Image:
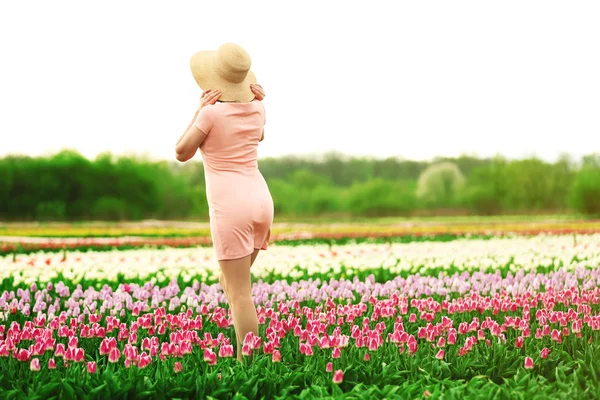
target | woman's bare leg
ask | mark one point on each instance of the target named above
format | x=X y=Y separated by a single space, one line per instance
x=238 y=289
x=222 y=279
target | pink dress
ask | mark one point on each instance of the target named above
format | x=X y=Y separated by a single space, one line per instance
x=239 y=201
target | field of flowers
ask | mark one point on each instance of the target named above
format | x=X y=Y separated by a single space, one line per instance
x=459 y=317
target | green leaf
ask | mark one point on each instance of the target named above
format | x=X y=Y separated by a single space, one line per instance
x=46 y=390
x=68 y=391
x=97 y=389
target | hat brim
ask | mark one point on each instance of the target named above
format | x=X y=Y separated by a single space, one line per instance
x=202 y=66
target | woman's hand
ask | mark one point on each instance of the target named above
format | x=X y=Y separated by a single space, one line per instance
x=258 y=91
x=209 y=96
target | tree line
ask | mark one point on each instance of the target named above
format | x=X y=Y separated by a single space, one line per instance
x=68 y=186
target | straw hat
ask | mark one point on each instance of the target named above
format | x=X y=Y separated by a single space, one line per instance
x=226 y=69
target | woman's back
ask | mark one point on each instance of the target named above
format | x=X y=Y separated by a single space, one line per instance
x=240 y=204
x=233 y=132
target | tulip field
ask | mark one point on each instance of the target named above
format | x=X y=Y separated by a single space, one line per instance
x=482 y=316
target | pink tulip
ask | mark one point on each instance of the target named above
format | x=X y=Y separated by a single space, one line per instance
x=336 y=353
x=440 y=354
x=145 y=360
x=246 y=350
x=329 y=367
x=338 y=376
x=91 y=367
x=556 y=336
x=452 y=338
x=78 y=355
x=544 y=352
x=23 y=355
x=73 y=341
x=276 y=356
x=519 y=342
x=51 y=364
x=528 y=363
x=367 y=357
x=210 y=356
x=480 y=334
x=114 y=355
x=35 y=364
x=226 y=350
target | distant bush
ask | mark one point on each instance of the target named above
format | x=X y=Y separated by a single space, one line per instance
x=585 y=194
x=110 y=208
x=51 y=211
x=378 y=198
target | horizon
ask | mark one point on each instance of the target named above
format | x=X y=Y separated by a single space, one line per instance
x=316 y=157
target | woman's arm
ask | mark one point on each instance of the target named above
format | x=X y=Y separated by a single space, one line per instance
x=188 y=127
x=259 y=92
x=192 y=137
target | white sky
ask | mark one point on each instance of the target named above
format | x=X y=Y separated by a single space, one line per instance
x=411 y=79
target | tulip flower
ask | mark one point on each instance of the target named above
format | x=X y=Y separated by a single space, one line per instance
x=114 y=355
x=329 y=367
x=35 y=364
x=336 y=353
x=440 y=354
x=544 y=352
x=338 y=376
x=177 y=367
x=276 y=356
x=91 y=367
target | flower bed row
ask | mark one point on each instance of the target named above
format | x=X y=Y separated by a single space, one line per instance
x=166 y=229
x=534 y=331
x=386 y=261
x=27 y=240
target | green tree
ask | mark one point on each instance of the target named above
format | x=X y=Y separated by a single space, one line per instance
x=440 y=184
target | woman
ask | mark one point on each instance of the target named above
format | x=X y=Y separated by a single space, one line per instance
x=227 y=128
